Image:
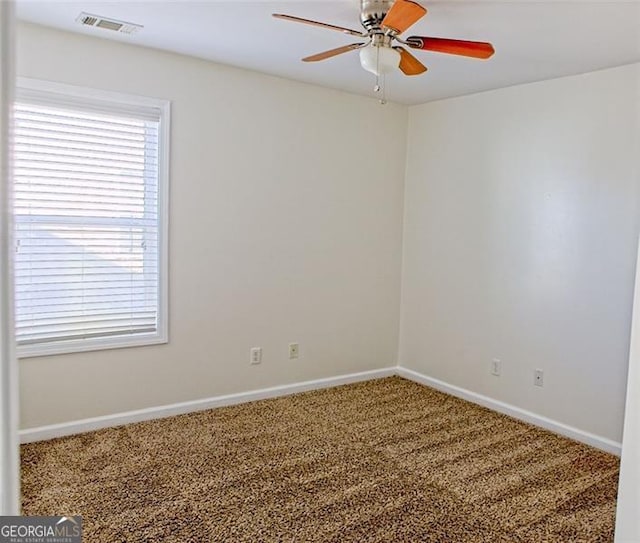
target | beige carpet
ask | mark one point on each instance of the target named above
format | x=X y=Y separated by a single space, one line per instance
x=383 y=461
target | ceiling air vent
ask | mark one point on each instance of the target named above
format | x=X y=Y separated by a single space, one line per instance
x=87 y=19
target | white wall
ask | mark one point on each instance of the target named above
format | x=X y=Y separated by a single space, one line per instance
x=627 y=521
x=9 y=450
x=283 y=228
x=521 y=225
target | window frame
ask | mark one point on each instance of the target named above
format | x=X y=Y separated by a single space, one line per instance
x=74 y=95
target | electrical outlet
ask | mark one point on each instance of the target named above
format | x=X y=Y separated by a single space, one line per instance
x=294 y=350
x=256 y=355
x=496 y=367
x=538 y=378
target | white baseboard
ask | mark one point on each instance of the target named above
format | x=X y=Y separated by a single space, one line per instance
x=43 y=433
x=517 y=413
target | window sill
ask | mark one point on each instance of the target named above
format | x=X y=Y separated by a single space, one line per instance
x=87 y=345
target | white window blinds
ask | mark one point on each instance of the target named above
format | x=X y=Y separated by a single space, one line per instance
x=86 y=208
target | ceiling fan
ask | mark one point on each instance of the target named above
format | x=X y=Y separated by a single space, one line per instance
x=383 y=22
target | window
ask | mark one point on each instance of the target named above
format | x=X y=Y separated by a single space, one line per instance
x=90 y=215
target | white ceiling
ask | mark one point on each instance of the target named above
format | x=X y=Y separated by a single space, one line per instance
x=533 y=40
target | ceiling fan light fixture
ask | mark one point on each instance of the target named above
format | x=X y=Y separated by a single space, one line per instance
x=379 y=59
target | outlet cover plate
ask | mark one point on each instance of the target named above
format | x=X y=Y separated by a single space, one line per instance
x=294 y=350
x=256 y=356
x=538 y=378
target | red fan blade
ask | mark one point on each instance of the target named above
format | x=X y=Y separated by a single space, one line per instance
x=475 y=49
x=333 y=52
x=409 y=64
x=316 y=23
x=402 y=15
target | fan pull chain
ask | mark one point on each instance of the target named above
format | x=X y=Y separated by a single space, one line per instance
x=381 y=87
x=383 y=101
x=378 y=87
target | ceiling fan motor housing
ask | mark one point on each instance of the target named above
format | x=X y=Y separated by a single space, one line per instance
x=372 y=12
